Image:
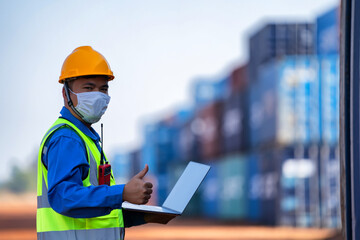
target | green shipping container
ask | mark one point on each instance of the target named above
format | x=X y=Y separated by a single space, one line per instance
x=233 y=184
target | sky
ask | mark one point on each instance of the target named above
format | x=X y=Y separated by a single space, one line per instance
x=156 y=50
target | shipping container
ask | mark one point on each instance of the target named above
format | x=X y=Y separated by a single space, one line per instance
x=254 y=189
x=149 y=148
x=121 y=167
x=277 y=40
x=206 y=91
x=330 y=186
x=135 y=162
x=180 y=118
x=165 y=148
x=158 y=147
x=329 y=80
x=283 y=103
x=269 y=166
x=307 y=105
x=300 y=203
x=235 y=132
x=327 y=33
x=239 y=79
x=210 y=192
x=210 y=120
x=264 y=188
x=288 y=186
x=234 y=186
x=163 y=187
x=188 y=143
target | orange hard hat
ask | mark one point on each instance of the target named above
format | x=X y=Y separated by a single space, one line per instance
x=84 y=61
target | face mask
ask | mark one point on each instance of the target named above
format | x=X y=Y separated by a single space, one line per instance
x=91 y=105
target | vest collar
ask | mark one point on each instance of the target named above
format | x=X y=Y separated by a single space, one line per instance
x=90 y=132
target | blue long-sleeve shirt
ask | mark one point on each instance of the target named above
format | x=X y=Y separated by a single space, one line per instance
x=67 y=163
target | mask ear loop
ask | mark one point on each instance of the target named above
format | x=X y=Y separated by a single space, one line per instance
x=69 y=101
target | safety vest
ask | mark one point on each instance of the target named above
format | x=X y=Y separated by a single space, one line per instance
x=54 y=226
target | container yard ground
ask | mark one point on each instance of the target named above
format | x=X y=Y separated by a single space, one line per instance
x=17 y=222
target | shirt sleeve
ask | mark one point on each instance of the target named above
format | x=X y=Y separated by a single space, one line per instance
x=67 y=164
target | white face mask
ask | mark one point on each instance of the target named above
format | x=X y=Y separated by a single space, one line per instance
x=92 y=105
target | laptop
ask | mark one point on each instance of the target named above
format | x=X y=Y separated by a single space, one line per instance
x=181 y=193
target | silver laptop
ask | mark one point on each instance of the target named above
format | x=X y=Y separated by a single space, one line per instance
x=181 y=193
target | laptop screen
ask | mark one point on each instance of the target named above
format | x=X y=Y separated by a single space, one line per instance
x=186 y=186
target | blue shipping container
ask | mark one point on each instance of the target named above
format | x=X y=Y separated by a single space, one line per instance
x=300 y=186
x=210 y=190
x=206 y=91
x=235 y=121
x=264 y=185
x=120 y=165
x=176 y=123
x=330 y=186
x=283 y=103
x=254 y=189
x=330 y=80
x=188 y=143
x=277 y=40
x=149 y=151
x=307 y=91
x=327 y=33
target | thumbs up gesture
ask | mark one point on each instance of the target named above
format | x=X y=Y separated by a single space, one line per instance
x=138 y=191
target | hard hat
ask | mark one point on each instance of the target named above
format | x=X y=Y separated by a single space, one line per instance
x=85 y=61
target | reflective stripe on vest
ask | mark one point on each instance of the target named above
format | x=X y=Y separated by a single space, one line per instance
x=52 y=225
x=83 y=234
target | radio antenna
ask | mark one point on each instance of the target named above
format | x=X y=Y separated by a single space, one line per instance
x=102 y=146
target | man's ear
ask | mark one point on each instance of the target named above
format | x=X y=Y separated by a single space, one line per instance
x=64 y=96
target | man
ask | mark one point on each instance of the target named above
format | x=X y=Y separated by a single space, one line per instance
x=71 y=203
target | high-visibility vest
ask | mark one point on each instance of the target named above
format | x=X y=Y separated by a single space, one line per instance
x=52 y=225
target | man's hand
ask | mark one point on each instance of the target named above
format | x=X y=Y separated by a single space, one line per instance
x=138 y=191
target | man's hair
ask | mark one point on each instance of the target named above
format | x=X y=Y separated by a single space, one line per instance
x=70 y=81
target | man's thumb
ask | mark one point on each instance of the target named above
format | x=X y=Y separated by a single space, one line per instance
x=143 y=172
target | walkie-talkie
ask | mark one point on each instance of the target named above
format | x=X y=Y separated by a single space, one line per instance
x=104 y=167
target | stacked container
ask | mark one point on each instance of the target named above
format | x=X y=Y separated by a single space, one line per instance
x=188 y=140
x=255 y=189
x=327 y=47
x=210 y=121
x=264 y=187
x=207 y=91
x=234 y=187
x=120 y=167
x=299 y=186
x=283 y=103
x=149 y=148
x=269 y=130
x=235 y=121
x=330 y=186
x=276 y=40
x=210 y=192
x=327 y=33
x=239 y=79
x=329 y=76
x=235 y=114
x=135 y=162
